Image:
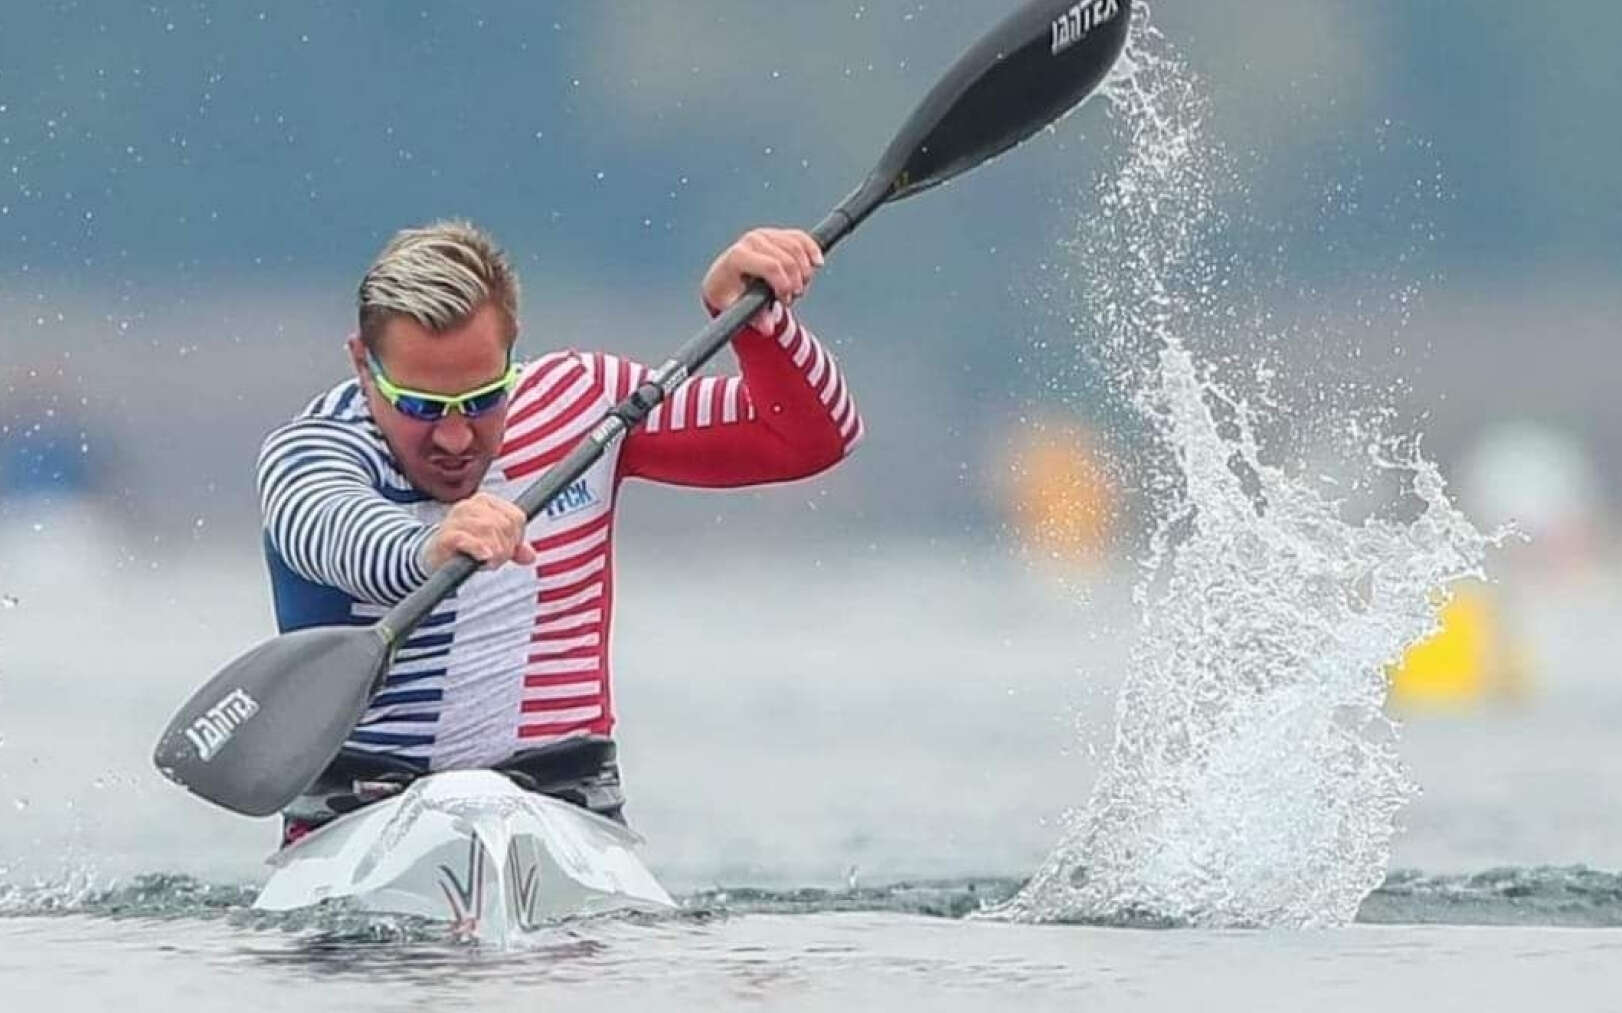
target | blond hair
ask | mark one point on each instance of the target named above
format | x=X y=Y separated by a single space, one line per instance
x=439 y=275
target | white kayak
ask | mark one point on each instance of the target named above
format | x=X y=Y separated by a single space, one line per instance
x=471 y=848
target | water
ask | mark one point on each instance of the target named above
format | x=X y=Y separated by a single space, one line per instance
x=909 y=711
x=819 y=962
x=972 y=784
x=753 y=954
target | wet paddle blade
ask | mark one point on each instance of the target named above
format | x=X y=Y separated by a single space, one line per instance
x=261 y=730
x=1035 y=66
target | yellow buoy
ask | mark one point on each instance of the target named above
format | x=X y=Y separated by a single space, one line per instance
x=1468 y=660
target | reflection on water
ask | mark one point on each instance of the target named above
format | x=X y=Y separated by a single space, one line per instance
x=815 y=962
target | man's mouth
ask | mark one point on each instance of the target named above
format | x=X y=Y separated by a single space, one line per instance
x=452 y=467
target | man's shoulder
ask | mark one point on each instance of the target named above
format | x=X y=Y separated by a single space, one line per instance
x=342 y=409
x=542 y=378
x=531 y=370
x=339 y=419
x=343 y=403
x=576 y=374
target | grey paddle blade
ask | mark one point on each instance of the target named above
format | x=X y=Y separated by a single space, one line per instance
x=261 y=730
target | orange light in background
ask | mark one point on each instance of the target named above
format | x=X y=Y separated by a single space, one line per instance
x=1060 y=499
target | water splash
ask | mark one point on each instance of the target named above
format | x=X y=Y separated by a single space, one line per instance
x=1253 y=778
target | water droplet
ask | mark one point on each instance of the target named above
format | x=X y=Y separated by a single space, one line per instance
x=9 y=601
x=19 y=804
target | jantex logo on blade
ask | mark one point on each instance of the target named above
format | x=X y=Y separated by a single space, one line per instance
x=1073 y=25
x=215 y=728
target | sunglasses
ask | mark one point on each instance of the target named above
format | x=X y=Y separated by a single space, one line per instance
x=425 y=407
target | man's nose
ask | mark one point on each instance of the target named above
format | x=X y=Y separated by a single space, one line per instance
x=453 y=434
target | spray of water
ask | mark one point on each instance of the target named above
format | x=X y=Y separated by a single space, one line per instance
x=1253 y=778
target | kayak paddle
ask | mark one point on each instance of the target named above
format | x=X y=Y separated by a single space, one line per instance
x=262 y=729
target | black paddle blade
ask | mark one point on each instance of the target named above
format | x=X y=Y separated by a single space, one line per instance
x=261 y=730
x=1027 y=72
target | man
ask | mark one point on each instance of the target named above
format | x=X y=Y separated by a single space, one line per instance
x=418 y=457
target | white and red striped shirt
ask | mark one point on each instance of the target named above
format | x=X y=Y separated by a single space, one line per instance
x=520 y=655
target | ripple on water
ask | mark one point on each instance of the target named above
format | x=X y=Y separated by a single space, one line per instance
x=1536 y=895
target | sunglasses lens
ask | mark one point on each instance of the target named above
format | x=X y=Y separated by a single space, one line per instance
x=419 y=408
x=473 y=407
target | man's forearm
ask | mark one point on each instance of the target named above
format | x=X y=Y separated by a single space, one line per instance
x=327 y=522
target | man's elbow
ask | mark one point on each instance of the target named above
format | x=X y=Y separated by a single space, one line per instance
x=830 y=445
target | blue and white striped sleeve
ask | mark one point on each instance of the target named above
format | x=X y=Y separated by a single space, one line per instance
x=326 y=518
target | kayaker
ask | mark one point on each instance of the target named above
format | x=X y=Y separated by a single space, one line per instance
x=419 y=455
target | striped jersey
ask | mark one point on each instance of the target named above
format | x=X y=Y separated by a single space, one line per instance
x=519 y=656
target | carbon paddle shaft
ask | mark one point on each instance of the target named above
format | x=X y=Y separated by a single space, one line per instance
x=400 y=620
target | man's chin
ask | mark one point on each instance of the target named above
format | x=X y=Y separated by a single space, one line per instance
x=449 y=488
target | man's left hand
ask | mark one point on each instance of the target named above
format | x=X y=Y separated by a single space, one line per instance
x=785 y=259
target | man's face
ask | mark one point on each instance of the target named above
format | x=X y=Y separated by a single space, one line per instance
x=446 y=459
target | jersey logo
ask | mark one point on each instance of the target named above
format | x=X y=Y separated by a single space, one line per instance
x=571 y=499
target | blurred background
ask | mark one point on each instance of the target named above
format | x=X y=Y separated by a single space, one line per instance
x=917 y=652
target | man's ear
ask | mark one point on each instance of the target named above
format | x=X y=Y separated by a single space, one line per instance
x=357 y=359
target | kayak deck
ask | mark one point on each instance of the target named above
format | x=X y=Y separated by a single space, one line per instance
x=471 y=848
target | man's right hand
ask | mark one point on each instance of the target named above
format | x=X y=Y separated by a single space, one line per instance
x=486 y=527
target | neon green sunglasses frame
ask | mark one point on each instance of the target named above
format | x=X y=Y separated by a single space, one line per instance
x=426 y=407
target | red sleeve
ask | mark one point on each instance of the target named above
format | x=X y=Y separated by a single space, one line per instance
x=786 y=416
